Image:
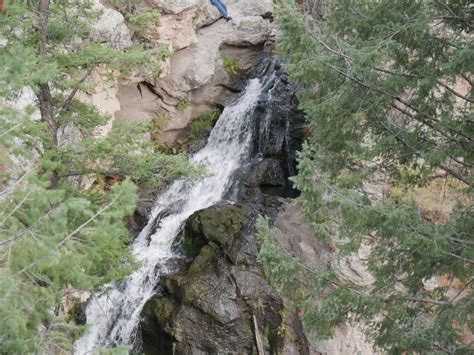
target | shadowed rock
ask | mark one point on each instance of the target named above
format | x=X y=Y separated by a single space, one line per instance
x=210 y=308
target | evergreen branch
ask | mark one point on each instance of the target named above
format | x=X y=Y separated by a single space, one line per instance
x=469 y=261
x=457 y=18
x=454 y=16
x=466 y=78
x=418 y=118
x=30 y=228
x=92 y=171
x=465 y=242
x=443 y=4
x=406 y=75
x=419 y=77
x=422 y=300
x=18 y=181
x=317 y=273
x=399 y=109
x=450 y=171
x=454 y=92
x=98 y=303
x=462 y=290
x=349 y=62
x=91 y=219
x=384 y=49
x=359 y=205
x=461 y=74
x=77 y=230
x=11 y=129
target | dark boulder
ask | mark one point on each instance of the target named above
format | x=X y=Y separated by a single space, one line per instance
x=209 y=309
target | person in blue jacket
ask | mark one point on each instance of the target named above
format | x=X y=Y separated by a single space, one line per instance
x=222 y=8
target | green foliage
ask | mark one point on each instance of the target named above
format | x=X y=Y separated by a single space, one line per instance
x=294 y=279
x=182 y=104
x=377 y=82
x=145 y=18
x=124 y=6
x=50 y=239
x=140 y=19
x=124 y=152
x=158 y=125
x=198 y=127
x=231 y=65
x=142 y=22
x=54 y=234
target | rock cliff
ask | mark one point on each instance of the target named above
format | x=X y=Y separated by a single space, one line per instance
x=194 y=78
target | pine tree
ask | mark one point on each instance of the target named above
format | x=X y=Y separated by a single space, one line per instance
x=387 y=89
x=54 y=234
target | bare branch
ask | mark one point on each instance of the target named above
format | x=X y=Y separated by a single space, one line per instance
x=17 y=207
x=18 y=181
x=67 y=103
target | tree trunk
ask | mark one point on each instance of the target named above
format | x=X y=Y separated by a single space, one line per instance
x=45 y=98
x=44 y=94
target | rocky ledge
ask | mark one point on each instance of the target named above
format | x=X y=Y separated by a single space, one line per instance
x=195 y=77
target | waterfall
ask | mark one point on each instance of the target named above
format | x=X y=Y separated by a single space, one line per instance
x=113 y=316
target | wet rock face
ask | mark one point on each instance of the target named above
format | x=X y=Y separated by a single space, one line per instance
x=209 y=309
x=268 y=174
x=276 y=139
x=277 y=125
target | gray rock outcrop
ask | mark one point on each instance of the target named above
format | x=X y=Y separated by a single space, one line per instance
x=176 y=6
x=194 y=78
x=296 y=237
x=110 y=28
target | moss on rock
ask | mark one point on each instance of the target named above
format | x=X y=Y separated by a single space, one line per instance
x=220 y=224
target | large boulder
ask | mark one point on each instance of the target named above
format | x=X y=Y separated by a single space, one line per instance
x=254 y=8
x=176 y=30
x=110 y=28
x=212 y=307
x=249 y=31
x=230 y=227
x=176 y=6
x=264 y=173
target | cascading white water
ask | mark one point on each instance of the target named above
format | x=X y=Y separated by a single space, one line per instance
x=113 y=317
